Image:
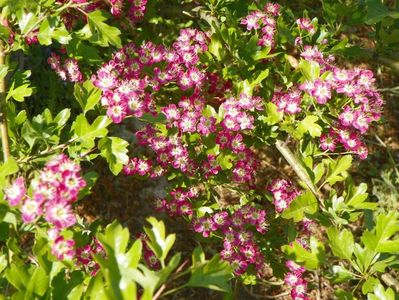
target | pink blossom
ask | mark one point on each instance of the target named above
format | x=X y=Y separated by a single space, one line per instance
x=63 y=249
x=16 y=192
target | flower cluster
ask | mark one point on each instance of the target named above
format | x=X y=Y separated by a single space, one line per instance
x=294 y=279
x=84 y=257
x=63 y=249
x=179 y=202
x=134 y=10
x=284 y=192
x=239 y=247
x=69 y=70
x=192 y=115
x=265 y=21
x=54 y=191
x=355 y=88
x=306 y=25
x=128 y=85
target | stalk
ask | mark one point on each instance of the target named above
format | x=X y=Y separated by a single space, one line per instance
x=298 y=168
x=3 y=116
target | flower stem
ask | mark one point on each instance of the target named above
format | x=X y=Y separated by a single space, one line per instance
x=3 y=116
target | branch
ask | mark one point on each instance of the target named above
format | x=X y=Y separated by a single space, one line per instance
x=298 y=168
x=3 y=116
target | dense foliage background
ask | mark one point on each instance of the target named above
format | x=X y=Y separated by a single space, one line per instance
x=183 y=149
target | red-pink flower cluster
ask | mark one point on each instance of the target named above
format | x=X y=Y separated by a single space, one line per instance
x=84 y=257
x=239 y=246
x=134 y=10
x=306 y=24
x=129 y=80
x=63 y=249
x=69 y=70
x=355 y=87
x=179 y=203
x=189 y=117
x=294 y=279
x=284 y=192
x=265 y=21
x=54 y=191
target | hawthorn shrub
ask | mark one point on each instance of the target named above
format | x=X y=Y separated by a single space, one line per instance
x=210 y=89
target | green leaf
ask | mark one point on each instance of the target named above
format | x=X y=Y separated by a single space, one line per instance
x=20 y=92
x=83 y=51
x=225 y=161
x=262 y=76
x=38 y=284
x=341 y=274
x=364 y=257
x=3 y=71
x=95 y=289
x=48 y=31
x=381 y=294
x=216 y=48
x=62 y=117
x=311 y=259
x=115 y=238
x=318 y=172
x=8 y=168
x=87 y=95
x=86 y=133
x=18 y=276
x=344 y=295
x=341 y=243
x=3 y=263
x=114 y=150
x=358 y=196
x=379 y=239
x=376 y=12
x=337 y=169
x=309 y=69
x=306 y=203
x=214 y=275
x=26 y=21
x=369 y=285
x=99 y=32
x=273 y=116
x=261 y=54
x=159 y=242
x=309 y=125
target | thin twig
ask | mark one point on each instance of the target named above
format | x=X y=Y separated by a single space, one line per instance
x=159 y=292
x=3 y=116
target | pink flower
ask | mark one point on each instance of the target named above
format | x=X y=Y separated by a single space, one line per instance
x=206 y=125
x=230 y=123
x=321 y=91
x=205 y=226
x=251 y=21
x=306 y=24
x=328 y=142
x=16 y=192
x=30 y=210
x=347 y=116
x=272 y=8
x=63 y=249
x=60 y=214
x=116 y=113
